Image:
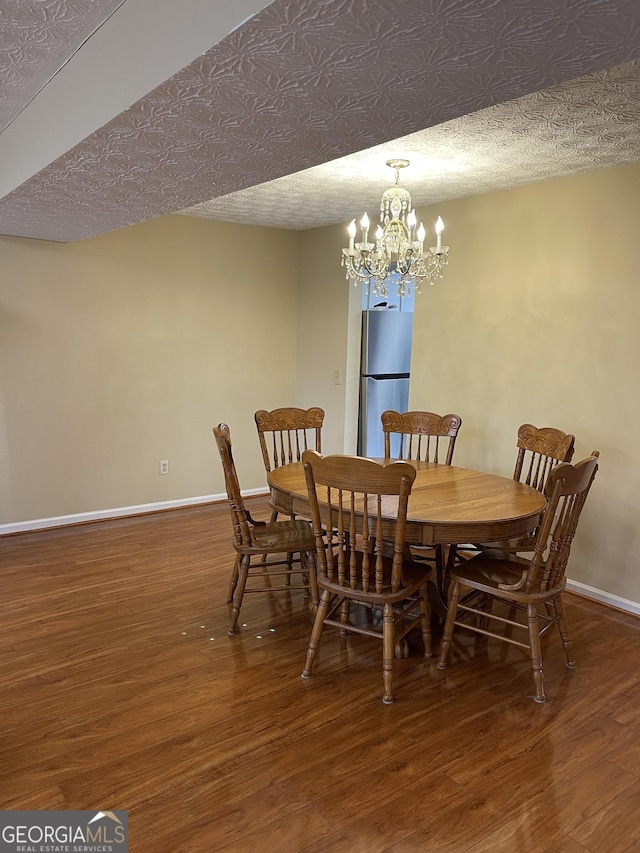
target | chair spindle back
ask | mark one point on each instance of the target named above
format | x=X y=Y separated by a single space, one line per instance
x=539 y=451
x=286 y=433
x=421 y=434
x=351 y=496
x=567 y=488
x=239 y=516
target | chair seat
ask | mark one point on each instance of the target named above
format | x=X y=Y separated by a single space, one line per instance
x=487 y=572
x=297 y=532
x=489 y=569
x=414 y=576
x=523 y=545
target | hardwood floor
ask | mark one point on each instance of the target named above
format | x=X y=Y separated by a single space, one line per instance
x=122 y=690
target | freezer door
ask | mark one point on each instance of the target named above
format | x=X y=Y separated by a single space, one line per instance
x=378 y=395
x=386 y=342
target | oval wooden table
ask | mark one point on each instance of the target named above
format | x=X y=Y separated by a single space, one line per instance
x=447 y=505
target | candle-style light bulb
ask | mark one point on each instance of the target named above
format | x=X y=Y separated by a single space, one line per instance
x=421 y=235
x=379 y=233
x=351 y=230
x=411 y=223
x=439 y=230
x=364 y=224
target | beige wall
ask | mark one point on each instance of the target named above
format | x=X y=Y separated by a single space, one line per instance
x=328 y=319
x=536 y=320
x=122 y=350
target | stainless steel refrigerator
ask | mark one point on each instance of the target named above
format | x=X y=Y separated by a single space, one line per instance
x=385 y=372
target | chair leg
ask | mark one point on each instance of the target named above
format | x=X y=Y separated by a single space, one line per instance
x=536 y=652
x=316 y=633
x=234 y=579
x=344 y=616
x=304 y=572
x=452 y=558
x=388 y=646
x=563 y=628
x=287 y=578
x=426 y=621
x=243 y=573
x=309 y=576
x=310 y=561
x=440 y=568
x=511 y=616
x=447 y=636
x=486 y=605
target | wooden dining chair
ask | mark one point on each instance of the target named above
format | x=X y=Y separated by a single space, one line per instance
x=531 y=588
x=428 y=437
x=366 y=562
x=285 y=434
x=540 y=449
x=253 y=539
x=421 y=435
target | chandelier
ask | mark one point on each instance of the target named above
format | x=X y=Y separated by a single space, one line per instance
x=398 y=252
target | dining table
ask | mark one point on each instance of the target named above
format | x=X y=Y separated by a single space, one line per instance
x=448 y=506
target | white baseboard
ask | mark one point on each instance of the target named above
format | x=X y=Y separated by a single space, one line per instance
x=604 y=597
x=118 y=512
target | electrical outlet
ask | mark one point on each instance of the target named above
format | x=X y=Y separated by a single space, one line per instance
x=164 y=466
x=337 y=376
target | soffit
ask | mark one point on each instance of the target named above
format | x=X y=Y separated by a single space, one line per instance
x=475 y=87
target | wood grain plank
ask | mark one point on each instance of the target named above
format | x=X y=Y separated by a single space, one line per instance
x=614 y=827
x=123 y=690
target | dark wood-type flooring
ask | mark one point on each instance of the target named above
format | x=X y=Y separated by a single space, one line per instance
x=122 y=690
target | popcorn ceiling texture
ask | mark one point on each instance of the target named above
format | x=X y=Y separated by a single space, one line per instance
x=479 y=88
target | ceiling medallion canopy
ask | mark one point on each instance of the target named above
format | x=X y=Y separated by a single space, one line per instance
x=398 y=254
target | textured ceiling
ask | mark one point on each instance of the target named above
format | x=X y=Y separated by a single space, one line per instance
x=37 y=37
x=589 y=123
x=485 y=94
